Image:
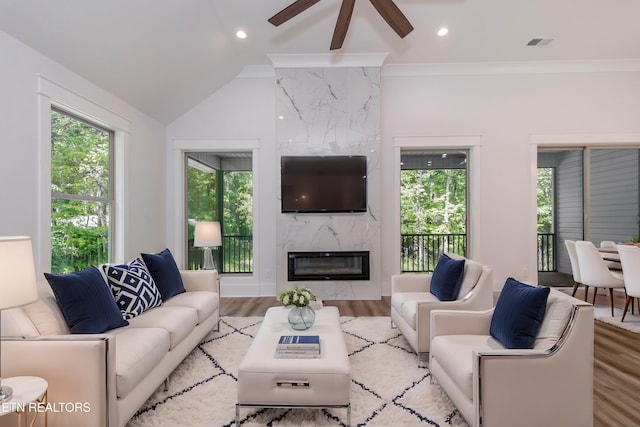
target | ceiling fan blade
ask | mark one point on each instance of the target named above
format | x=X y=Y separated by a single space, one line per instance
x=342 y=24
x=290 y=11
x=394 y=17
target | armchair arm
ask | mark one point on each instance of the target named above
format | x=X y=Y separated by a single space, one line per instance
x=460 y=322
x=560 y=380
x=200 y=280
x=79 y=369
x=410 y=282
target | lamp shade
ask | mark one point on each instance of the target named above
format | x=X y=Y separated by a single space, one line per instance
x=207 y=235
x=17 y=272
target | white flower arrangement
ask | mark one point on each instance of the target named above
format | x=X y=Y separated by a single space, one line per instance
x=300 y=297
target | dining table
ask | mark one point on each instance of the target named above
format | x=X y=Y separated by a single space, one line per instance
x=609 y=254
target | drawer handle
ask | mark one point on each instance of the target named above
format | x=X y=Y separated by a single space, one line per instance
x=292 y=384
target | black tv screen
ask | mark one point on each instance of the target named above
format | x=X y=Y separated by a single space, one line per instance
x=323 y=184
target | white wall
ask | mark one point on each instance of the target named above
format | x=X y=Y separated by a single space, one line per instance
x=24 y=200
x=507 y=110
x=236 y=116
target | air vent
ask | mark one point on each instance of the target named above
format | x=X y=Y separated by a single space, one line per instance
x=539 y=42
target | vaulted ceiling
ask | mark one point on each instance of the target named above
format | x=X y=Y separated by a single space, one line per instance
x=165 y=56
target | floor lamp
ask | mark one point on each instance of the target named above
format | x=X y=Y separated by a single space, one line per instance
x=17 y=284
x=207 y=236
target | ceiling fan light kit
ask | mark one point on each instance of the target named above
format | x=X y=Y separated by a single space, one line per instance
x=386 y=8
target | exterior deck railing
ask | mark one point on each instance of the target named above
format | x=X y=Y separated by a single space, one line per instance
x=420 y=252
x=237 y=253
x=547 y=257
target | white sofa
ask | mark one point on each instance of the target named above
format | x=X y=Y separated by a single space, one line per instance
x=412 y=301
x=114 y=372
x=549 y=385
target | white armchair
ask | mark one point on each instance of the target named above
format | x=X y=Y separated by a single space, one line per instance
x=549 y=385
x=412 y=301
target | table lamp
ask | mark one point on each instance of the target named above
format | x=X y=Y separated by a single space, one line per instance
x=17 y=283
x=207 y=236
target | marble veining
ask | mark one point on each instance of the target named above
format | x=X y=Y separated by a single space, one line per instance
x=331 y=111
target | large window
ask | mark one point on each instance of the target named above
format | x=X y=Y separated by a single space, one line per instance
x=81 y=193
x=219 y=188
x=433 y=207
x=589 y=193
x=546 y=219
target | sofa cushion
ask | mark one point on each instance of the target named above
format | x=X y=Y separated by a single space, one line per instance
x=406 y=304
x=472 y=272
x=447 y=278
x=133 y=287
x=205 y=303
x=555 y=321
x=165 y=273
x=138 y=351
x=518 y=314
x=16 y=323
x=86 y=302
x=177 y=321
x=455 y=355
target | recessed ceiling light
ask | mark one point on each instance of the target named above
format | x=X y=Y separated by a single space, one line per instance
x=443 y=31
x=241 y=34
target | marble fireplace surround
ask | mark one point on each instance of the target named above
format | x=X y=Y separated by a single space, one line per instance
x=328 y=110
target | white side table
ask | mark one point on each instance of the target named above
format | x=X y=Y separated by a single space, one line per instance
x=29 y=394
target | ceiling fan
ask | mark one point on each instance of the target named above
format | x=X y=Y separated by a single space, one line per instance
x=386 y=8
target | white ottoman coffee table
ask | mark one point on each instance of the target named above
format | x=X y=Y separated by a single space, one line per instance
x=324 y=382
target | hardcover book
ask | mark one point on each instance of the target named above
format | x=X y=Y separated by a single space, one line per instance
x=299 y=342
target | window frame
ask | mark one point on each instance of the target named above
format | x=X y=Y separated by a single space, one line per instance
x=420 y=164
x=470 y=143
x=51 y=94
x=109 y=201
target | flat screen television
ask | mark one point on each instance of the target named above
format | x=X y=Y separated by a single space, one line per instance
x=311 y=184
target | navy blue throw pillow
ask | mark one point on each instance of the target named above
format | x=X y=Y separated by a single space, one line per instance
x=165 y=273
x=86 y=301
x=518 y=314
x=446 y=279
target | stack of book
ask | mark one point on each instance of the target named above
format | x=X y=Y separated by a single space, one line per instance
x=298 y=347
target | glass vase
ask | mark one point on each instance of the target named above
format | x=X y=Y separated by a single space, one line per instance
x=301 y=318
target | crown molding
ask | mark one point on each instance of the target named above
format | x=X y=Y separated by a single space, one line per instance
x=436 y=69
x=327 y=60
x=524 y=67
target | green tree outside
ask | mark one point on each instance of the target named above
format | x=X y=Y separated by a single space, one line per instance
x=433 y=201
x=80 y=190
x=433 y=206
x=236 y=217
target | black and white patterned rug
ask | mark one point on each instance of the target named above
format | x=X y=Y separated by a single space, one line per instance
x=388 y=388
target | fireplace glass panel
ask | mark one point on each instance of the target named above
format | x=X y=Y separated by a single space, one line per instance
x=328 y=266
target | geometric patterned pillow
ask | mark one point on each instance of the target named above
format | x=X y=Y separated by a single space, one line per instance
x=132 y=287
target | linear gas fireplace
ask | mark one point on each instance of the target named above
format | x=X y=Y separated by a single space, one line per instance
x=328 y=265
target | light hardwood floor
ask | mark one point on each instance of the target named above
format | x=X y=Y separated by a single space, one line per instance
x=616 y=355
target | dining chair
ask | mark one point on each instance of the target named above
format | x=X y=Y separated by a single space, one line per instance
x=630 y=260
x=595 y=273
x=575 y=268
